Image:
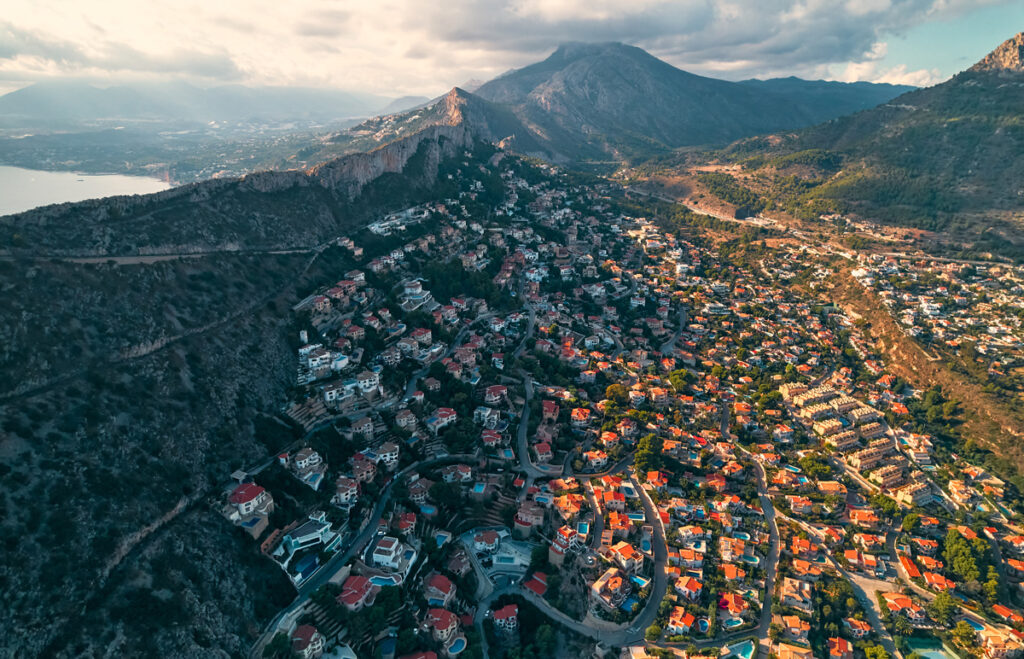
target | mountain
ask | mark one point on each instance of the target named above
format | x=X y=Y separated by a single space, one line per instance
x=947 y=158
x=487 y=121
x=47 y=106
x=127 y=402
x=1009 y=56
x=827 y=99
x=592 y=101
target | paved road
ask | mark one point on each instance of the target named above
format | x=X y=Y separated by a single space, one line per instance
x=336 y=562
x=646 y=617
x=414 y=379
x=668 y=346
x=624 y=634
x=531 y=322
x=772 y=560
x=522 y=444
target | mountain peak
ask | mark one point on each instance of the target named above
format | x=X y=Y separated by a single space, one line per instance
x=573 y=50
x=452 y=105
x=1009 y=56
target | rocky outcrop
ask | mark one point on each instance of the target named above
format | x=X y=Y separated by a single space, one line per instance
x=347 y=175
x=1009 y=56
x=241 y=214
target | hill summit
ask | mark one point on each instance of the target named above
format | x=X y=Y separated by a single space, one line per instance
x=1008 y=56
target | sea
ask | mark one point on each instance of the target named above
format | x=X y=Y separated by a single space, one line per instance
x=24 y=189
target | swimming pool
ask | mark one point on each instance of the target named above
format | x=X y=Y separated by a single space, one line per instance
x=645 y=546
x=792 y=468
x=741 y=535
x=504 y=559
x=457 y=646
x=974 y=623
x=479 y=488
x=640 y=581
x=636 y=517
x=928 y=649
x=732 y=623
x=428 y=509
x=386 y=580
x=751 y=560
x=630 y=602
x=744 y=650
x=703 y=625
x=583 y=528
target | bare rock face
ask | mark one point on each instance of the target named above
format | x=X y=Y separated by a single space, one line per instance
x=349 y=174
x=1009 y=56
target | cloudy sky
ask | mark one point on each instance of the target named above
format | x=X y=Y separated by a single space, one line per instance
x=396 y=47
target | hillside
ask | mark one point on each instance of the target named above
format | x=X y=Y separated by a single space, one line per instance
x=255 y=212
x=134 y=386
x=947 y=159
x=594 y=101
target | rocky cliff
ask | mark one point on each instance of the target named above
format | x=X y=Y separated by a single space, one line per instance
x=261 y=211
x=1009 y=56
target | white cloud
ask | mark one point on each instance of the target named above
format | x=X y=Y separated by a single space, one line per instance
x=397 y=47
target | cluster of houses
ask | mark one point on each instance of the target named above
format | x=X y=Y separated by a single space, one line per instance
x=952 y=304
x=712 y=373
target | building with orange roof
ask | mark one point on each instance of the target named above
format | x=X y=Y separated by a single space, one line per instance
x=839 y=648
x=680 y=621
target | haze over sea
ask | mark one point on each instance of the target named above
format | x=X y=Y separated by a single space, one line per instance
x=23 y=189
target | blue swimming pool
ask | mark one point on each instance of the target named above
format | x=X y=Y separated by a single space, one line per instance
x=630 y=602
x=636 y=517
x=428 y=509
x=479 y=488
x=927 y=649
x=386 y=580
x=732 y=623
x=974 y=623
x=792 y=468
x=744 y=650
x=703 y=625
x=741 y=535
x=645 y=546
x=640 y=581
x=457 y=646
x=583 y=528
x=504 y=559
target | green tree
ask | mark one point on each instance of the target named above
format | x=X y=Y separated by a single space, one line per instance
x=875 y=652
x=648 y=454
x=941 y=608
x=964 y=634
x=617 y=393
x=992 y=585
x=278 y=648
x=653 y=633
x=545 y=639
